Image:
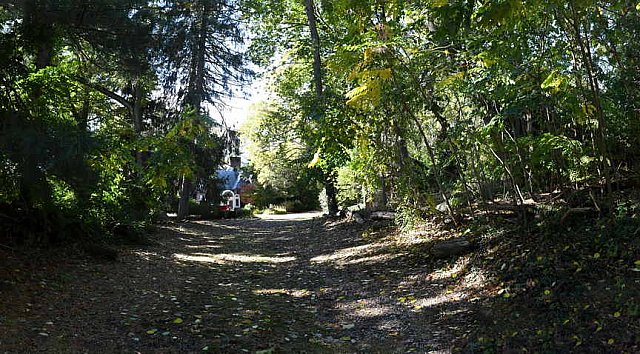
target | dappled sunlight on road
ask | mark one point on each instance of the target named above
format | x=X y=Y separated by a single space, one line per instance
x=185 y=230
x=369 y=308
x=291 y=216
x=203 y=247
x=354 y=255
x=376 y=289
x=226 y=258
x=425 y=302
x=378 y=258
x=288 y=282
x=450 y=272
x=296 y=293
x=145 y=255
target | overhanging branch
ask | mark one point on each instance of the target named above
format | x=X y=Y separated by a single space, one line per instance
x=105 y=91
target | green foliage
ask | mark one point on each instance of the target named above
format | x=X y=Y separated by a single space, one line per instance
x=455 y=101
x=84 y=136
x=280 y=158
x=204 y=210
x=188 y=149
x=349 y=190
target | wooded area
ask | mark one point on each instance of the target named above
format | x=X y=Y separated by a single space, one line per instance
x=486 y=118
x=107 y=107
x=107 y=110
x=456 y=103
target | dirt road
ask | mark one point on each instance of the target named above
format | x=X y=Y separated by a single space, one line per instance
x=279 y=284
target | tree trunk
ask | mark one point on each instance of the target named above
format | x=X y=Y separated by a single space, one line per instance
x=315 y=38
x=195 y=95
x=584 y=52
x=330 y=187
x=183 y=203
x=332 y=194
x=432 y=158
x=138 y=96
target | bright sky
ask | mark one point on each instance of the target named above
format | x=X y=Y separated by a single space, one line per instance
x=238 y=107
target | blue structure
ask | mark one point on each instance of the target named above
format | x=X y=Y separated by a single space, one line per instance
x=230 y=179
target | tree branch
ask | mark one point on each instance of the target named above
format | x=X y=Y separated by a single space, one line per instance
x=105 y=91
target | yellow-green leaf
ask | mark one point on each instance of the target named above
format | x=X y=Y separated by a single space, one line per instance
x=589 y=109
x=553 y=81
x=486 y=59
x=356 y=94
x=178 y=320
x=316 y=159
x=152 y=331
x=439 y=3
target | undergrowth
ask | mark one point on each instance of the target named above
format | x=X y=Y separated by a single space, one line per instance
x=561 y=285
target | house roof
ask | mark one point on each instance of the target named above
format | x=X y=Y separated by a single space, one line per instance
x=230 y=178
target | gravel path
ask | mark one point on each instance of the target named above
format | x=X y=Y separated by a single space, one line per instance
x=281 y=284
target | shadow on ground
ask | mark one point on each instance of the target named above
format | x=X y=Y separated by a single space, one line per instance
x=280 y=284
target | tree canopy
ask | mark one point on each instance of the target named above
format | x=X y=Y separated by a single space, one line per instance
x=456 y=102
x=108 y=108
x=501 y=136
x=419 y=106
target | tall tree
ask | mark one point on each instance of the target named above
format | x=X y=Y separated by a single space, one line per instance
x=330 y=177
x=202 y=45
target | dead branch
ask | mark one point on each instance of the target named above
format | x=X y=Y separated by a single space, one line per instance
x=575 y=211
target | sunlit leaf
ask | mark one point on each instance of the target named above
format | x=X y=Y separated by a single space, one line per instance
x=266 y=351
x=439 y=3
x=316 y=159
x=554 y=81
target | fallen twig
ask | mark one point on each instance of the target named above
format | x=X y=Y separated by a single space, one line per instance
x=8 y=247
x=2 y=215
x=574 y=211
x=383 y=215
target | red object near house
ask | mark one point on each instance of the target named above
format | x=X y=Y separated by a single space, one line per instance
x=246 y=193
